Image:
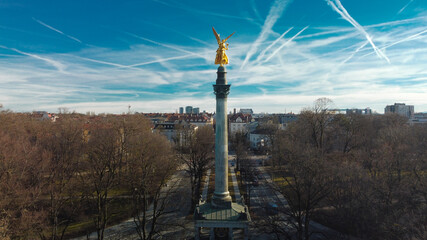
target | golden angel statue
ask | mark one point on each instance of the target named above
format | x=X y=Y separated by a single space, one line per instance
x=221 y=58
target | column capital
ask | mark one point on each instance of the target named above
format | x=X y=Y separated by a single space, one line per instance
x=221 y=91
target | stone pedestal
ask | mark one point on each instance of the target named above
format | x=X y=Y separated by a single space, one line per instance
x=211 y=217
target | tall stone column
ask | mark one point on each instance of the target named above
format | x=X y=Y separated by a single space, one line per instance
x=221 y=196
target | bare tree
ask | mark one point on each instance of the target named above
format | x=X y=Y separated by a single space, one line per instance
x=150 y=163
x=197 y=155
x=100 y=170
x=240 y=145
x=343 y=133
x=367 y=170
x=248 y=177
x=306 y=184
x=21 y=177
x=316 y=120
x=63 y=142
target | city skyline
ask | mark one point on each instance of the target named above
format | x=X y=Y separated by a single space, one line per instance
x=159 y=55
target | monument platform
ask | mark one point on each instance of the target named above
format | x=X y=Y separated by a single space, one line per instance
x=221 y=220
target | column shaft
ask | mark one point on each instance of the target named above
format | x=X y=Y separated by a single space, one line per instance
x=221 y=196
x=221 y=148
x=212 y=234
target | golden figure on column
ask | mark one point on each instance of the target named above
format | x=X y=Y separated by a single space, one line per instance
x=221 y=58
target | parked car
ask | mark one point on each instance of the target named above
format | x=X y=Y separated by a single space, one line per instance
x=272 y=208
x=255 y=182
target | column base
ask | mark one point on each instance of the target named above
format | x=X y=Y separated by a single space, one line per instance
x=222 y=200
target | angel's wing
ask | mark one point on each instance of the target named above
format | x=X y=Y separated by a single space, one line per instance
x=216 y=35
x=229 y=37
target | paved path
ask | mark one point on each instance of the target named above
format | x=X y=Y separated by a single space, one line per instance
x=205 y=186
x=279 y=195
x=235 y=184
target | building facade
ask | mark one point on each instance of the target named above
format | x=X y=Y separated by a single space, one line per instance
x=418 y=118
x=401 y=109
x=239 y=122
x=366 y=111
x=189 y=109
x=246 y=111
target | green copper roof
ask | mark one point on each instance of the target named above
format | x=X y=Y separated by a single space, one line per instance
x=234 y=213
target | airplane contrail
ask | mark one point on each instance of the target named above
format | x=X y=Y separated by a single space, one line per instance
x=400 y=41
x=252 y=2
x=56 y=30
x=275 y=13
x=188 y=8
x=404 y=7
x=165 y=45
x=284 y=44
x=339 y=8
x=160 y=60
x=103 y=62
x=54 y=63
x=354 y=53
x=261 y=55
x=178 y=32
x=133 y=65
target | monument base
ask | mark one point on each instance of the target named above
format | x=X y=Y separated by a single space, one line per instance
x=221 y=219
x=221 y=200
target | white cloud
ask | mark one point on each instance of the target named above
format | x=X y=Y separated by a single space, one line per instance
x=155 y=76
x=275 y=13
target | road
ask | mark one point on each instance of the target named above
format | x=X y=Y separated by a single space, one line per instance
x=266 y=202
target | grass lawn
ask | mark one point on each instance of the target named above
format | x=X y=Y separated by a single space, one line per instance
x=231 y=187
x=241 y=188
x=120 y=209
x=211 y=186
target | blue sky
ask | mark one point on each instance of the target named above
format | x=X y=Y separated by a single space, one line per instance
x=158 y=55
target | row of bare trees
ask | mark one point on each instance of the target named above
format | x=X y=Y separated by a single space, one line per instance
x=195 y=148
x=80 y=169
x=365 y=176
